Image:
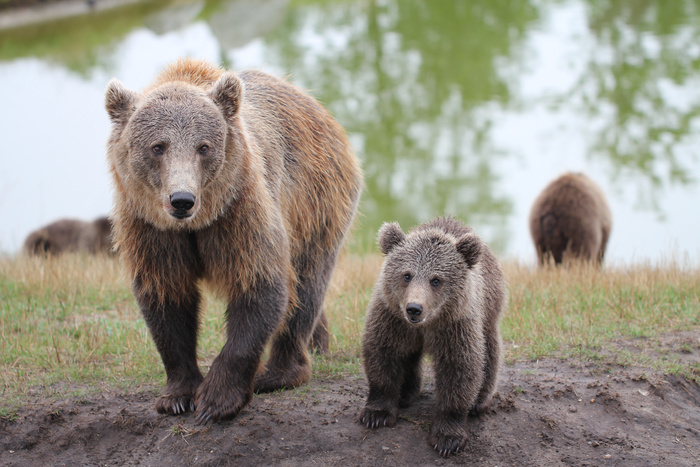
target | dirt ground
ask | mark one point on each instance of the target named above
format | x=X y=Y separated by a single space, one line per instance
x=549 y=412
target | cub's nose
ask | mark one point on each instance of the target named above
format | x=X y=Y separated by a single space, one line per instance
x=414 y=310
x=182 y=201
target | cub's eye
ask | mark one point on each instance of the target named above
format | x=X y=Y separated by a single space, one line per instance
x=407 y=277
x=158 y=149
x=203 y=149
x=435 y=282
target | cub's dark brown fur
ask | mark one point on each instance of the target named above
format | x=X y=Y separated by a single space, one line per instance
x=570 y=219
x=70 y=235
x=243 y=182
x=440 y=291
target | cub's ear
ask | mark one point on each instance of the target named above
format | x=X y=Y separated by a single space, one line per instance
x=228 y=94
x=390 y=235
x=119 y=102
x=469 y=246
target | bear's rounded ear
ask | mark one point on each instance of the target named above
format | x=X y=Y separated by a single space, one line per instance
x=228 y=94
x=390 y=235
x=119 y=102
x=469 y=246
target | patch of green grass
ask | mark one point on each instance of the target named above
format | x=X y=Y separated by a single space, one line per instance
x=336 y=365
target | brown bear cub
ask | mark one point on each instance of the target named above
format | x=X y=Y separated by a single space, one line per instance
x=71 y=235
x=442 y=291
x=570 y=220
x=243 y=182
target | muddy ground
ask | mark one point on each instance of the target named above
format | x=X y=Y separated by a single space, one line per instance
x=549 y=412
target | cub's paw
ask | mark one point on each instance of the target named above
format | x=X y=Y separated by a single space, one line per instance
x=372 y=418
x=175 y=404
x=219 y=399
x=276 y=377
x=482 y=408
x=446 y=443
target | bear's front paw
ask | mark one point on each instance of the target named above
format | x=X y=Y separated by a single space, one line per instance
x=219 y=399
x=447 y=442
x=175 y=404
x=373 y=418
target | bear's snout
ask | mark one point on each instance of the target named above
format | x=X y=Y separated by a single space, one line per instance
x=414 y=311
x=182 y=202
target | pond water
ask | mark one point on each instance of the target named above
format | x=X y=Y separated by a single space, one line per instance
x=462 y=108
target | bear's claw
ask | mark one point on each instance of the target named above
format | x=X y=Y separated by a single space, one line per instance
x=448 y=444
x=175 y=404
x=217 y=399
x=371 y=418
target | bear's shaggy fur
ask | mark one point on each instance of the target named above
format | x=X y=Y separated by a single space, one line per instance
x=570 y=220
x=241 y=181
x=71 y=235
x=441 y=291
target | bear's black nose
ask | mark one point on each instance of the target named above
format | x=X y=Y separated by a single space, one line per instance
x=414 y=310
x=182 y=201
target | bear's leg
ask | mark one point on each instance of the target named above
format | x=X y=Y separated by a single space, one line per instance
x=391 y=355
x=289 y=365
x=491 y=369
x=385 y=376
x=320 y=340
x=251 y=319
x=412 y=377
x=459 y=375
x=173 y=324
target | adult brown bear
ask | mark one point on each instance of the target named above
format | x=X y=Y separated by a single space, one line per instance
x=570 y=220
x=241 y=181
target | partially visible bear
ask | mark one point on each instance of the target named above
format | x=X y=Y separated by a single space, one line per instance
x=71 y=235
x=440 y=291
x=243 y=182
x=569 y=220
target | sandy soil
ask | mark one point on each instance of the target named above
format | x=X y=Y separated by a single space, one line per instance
x=550 y=412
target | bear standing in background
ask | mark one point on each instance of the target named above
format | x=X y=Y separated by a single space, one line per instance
x=243 y=182
x=71 y=235
x=570 y=219
x=442 y=291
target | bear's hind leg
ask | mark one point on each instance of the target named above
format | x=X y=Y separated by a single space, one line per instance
x=173 y=324
x=412 y=377
x=320 y=340
x=289 y=365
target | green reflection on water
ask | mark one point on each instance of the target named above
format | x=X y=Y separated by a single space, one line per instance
x=417 y=84
x=650 y=46
x=408 y=81
x=79 y=43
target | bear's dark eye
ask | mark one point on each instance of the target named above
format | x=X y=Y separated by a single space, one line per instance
x=435 y=282
x=203 y=149
x=158 y=149
x=407 y=277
